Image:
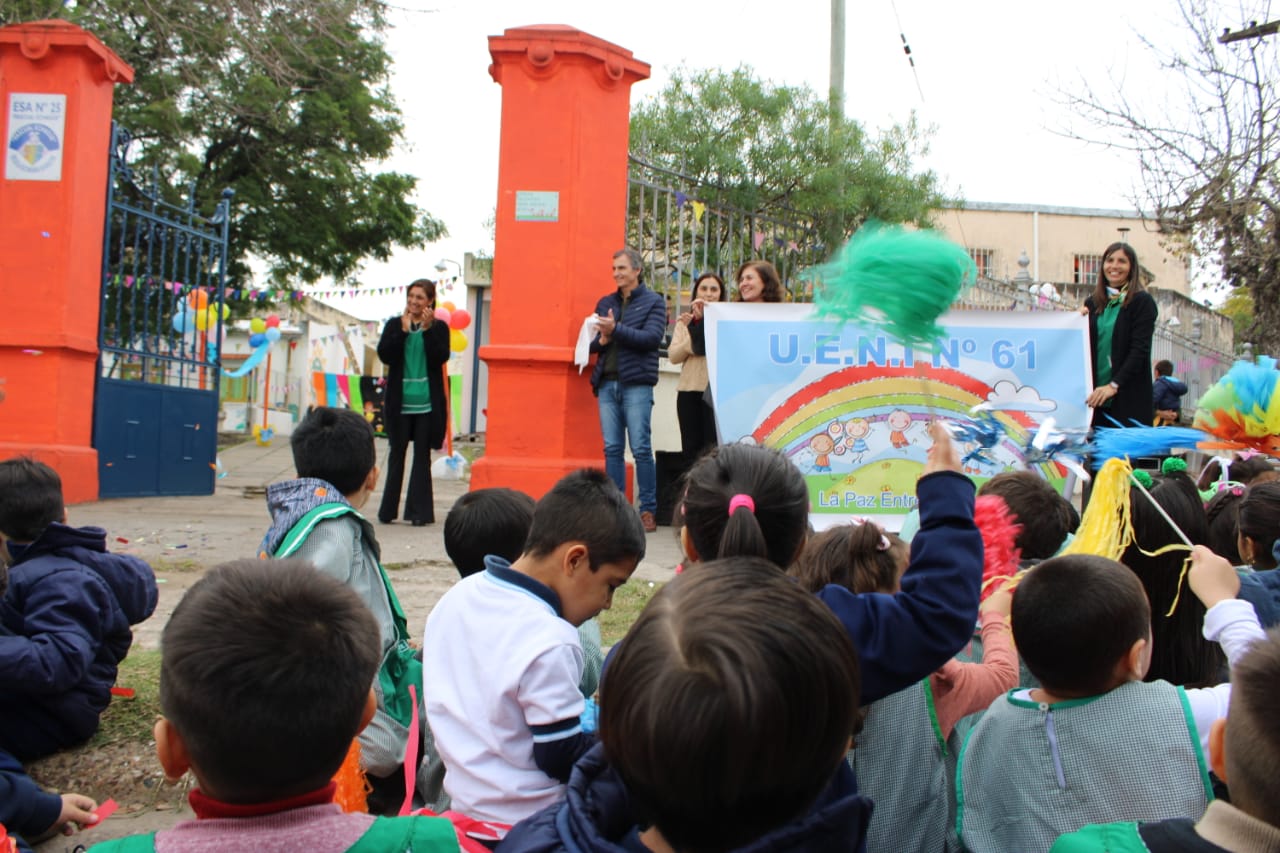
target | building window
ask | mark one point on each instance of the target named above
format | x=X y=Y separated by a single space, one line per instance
x=985 y=260
x=1086 y=269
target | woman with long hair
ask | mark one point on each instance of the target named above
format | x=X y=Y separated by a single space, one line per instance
x=758 y=281
x=1122 y=321
x=689 y=350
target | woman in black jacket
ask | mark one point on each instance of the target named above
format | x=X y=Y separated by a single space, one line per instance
x=415 y=346
x=1122 y=321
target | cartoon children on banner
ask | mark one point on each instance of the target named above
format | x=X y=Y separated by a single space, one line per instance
x=848 y=405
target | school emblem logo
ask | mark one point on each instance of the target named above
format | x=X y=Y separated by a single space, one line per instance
x=32 y=147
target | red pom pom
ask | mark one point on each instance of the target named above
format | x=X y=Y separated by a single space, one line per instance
x=999 y=531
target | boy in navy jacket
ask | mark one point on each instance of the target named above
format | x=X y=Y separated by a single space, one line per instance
x=65 y=618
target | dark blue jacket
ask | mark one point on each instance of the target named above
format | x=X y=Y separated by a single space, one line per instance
x=1262 y=590
x=596 y=817
x=636 y=338
x=64 y=628
x=25 y=809
x=902 y=638
x=1167 y=393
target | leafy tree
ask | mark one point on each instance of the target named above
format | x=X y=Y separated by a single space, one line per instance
x=1207 y=149
x=1239 y=307
x=766 y=148
x=284 y=101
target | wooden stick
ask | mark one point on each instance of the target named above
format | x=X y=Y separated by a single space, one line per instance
x=1160 y=509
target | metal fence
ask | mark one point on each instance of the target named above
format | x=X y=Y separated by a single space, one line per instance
x=683 y=229
x=1195 y=362
x=160 y=261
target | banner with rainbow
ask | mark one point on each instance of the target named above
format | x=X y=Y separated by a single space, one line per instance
x=850 y=407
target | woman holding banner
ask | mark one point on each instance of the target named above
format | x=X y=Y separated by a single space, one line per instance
x=415 y=346
x=1122 y=321
x=689 y=350
x=758 y=281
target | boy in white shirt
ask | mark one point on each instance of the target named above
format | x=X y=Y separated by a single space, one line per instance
x=501 y=655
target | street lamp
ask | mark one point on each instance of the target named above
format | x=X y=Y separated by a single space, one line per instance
x=442 y=268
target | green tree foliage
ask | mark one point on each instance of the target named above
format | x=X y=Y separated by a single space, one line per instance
x=1239 y=307
x=759 y=146
x=284 y=101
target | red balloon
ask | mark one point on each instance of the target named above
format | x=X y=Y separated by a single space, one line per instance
x=460 y=319
x=273 y=321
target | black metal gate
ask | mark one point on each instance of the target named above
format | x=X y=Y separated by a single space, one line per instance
x=155 y=423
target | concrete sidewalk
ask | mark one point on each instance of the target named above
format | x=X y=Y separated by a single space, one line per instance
x=182 y=536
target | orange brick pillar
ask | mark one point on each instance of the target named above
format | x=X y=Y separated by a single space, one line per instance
x=562 y=194
x=56 y=86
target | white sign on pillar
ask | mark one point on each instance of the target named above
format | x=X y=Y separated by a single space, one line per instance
x=33 y=139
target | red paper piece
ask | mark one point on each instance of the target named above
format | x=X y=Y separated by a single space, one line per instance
x=123 y=692
x=102 y=812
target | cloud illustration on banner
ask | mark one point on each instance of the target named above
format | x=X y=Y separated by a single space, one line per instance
x=1007 y=397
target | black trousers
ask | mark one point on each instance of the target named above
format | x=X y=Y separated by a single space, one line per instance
x=697 y=425
x=419 y=503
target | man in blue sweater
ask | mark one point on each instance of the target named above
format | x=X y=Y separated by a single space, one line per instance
x=630 y=324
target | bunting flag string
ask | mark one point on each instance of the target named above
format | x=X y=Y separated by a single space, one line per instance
x=231 y=293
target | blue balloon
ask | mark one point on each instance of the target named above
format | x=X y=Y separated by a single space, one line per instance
x=272 y=333
x=257 y=339
x=184 y=321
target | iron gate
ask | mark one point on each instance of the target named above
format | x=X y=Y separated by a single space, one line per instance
x=155 y=422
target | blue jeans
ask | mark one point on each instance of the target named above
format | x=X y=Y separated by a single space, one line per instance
x=625 y=411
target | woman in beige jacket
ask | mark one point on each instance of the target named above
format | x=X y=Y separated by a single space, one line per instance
x=688 y=349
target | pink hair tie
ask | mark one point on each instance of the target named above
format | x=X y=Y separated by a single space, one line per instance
x=742 y=500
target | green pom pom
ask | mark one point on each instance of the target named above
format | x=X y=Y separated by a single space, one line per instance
x=901 y=281
x=1143 y=477
x=1172 y=464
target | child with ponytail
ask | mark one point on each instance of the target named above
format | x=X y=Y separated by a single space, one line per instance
x=746 y=500
x=902 y=758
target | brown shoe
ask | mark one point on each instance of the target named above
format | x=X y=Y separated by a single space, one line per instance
x=646 y=518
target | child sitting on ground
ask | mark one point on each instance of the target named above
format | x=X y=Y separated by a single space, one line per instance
x=1244 y=752
x=28 y=813
x=1222 y=512
x=748 y=500
x=264 y=682
x=317 y=518
x=1259 y=543
x=1095 y=743
x=1047 y=518
x=502 y=657
x=25 y=809
x=1180 y=654
x=496 y=521
x=719 y=731
x=901 y=757
x=64 y=619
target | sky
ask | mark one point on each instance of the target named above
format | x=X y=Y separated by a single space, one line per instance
x=990 y=72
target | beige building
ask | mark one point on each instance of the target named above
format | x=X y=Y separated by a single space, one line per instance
x=1064 y=244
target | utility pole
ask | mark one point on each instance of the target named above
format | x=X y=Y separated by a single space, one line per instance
x=837 y=60
x=1254 y=30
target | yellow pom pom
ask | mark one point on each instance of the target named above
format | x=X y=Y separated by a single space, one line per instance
x=1106 y=527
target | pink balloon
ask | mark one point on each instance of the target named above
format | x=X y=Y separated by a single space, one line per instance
x=443 y=315
x=460 y=319
x=273 y=321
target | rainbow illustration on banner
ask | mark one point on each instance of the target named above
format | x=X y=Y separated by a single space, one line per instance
x=860 y=434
